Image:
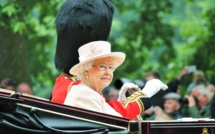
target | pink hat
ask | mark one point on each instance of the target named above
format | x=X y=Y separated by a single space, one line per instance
x=95 y=50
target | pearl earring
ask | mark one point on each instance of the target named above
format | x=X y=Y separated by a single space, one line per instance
x=87 y=77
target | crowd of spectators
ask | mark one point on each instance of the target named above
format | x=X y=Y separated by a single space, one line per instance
x=198 y=102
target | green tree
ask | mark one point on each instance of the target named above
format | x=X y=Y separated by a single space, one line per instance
x=194 y=41
x=139 y=31
x=28 y=42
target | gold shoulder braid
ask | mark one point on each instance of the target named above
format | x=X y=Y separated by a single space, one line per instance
x=72 y=77
x=136 y=97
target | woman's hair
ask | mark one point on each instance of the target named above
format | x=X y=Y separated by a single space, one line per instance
x=203 y=91
x=84 y=67
x=199 y=77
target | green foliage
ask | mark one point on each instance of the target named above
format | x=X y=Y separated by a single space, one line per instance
x=194 y=39
x=33 y=20
x=144 y=37
x=9 y=10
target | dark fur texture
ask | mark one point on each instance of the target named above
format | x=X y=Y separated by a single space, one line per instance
x=79 y=22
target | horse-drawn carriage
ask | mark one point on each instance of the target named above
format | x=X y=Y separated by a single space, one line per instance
x=24 y=114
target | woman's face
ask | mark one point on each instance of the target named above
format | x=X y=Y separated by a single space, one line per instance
x=101 y=74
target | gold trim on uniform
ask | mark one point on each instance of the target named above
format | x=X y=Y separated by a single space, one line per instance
x=72 y=77
x=141 y=105
x=135 y=97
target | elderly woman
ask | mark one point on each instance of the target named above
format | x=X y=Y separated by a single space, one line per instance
x=78 y=22
x=95 y=70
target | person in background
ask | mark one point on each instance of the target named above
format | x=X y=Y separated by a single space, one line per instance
x=8 y=84
x=173 y=86
x=198 y=79
x=113 y=94
x=78 y=22
x=152 y=75
x=171 y=109
x=212 y=86
x=199 y=103
x=105 y=92
x=110 y=93
x=172 y=105
x=95 y=70
x=148 y=114
x=24 y=88
x=212 y=109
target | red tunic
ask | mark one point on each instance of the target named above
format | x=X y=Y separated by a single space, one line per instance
x=130 y=108
x=62 y=86
x=130 y=112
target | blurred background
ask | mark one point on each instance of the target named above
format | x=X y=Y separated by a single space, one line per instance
x=163 y=36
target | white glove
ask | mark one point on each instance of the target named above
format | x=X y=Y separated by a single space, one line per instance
x=153 y=86
x=124 y=89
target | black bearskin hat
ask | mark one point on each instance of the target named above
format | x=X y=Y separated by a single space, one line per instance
x=79 y=22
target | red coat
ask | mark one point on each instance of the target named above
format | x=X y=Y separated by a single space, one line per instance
x=130 y=108
x=62 y=86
